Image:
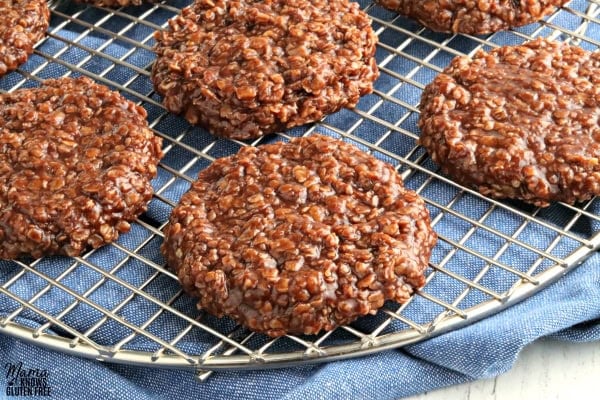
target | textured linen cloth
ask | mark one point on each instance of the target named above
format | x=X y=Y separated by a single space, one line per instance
x=567 y=310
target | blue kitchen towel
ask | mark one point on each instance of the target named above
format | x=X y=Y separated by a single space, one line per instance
x=569 y=310
x=86 y=40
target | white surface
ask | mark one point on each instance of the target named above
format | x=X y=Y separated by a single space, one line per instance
x=545 y=370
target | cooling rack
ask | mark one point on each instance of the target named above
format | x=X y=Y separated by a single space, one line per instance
x=120 y=304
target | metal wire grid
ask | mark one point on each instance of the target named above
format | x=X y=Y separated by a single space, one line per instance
x=524 y=248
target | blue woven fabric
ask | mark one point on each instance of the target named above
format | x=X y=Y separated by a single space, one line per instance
x=567 y=310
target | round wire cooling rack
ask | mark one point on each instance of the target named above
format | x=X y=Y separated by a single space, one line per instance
x=119 y=303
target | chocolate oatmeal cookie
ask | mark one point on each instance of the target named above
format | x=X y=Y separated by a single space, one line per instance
x=247 y=68
x=76 y=161
x=112 y=3
x=23 y=23
x=299 y=237
x=473 y=17
x=519 y=122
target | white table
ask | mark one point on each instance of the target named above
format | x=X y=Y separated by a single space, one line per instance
x=545 y=370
